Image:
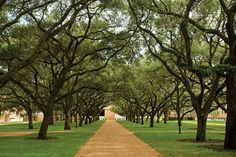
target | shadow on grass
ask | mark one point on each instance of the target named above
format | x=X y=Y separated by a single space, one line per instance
x=196 y=128
x=194 y=141
x=219 y=148
x=48 y=138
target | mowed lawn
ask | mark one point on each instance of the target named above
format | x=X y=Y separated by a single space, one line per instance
x=60 y=144
x=163 y=137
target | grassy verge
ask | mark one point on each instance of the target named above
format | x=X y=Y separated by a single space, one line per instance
x=64 y=144
x=163 y=137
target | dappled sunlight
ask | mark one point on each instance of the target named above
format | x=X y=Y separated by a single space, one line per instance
x=216 y=123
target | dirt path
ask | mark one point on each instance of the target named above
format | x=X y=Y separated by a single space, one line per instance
x=11 y=134
x=14 y=134
x=113 y=140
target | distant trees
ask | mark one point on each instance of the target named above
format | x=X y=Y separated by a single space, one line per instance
x=141 y=90
x=13 y=97
x=180 y=103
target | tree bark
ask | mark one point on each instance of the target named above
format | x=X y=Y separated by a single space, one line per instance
x=67 y=125
x=90 y=120
x=142 y=120
x=51 y=119
x=30 y=117
x=179 y=122
x=86 y=120
x=230 y=129
x=201 y=128
x=179 y=125
x=151 y=121
x=165 y=118
x=42 y=135
x=76 y=120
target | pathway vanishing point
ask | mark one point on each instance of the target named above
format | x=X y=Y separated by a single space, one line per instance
x=113 y=140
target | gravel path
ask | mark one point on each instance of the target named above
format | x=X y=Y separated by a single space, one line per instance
x=113 y=140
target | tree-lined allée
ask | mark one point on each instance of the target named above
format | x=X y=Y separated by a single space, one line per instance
x=146 y=58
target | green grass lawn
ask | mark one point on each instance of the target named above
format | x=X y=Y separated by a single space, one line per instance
x=163 y=137
x=66 y=144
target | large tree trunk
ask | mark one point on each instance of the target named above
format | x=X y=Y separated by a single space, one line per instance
x=42 y=135
x=179 y=122
x=51 y=119
x=30 y=117
x=180 y=125
x=230 y=129
x=201 y=128
x=165 y=117
x=67 y=125
x=151 y=121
